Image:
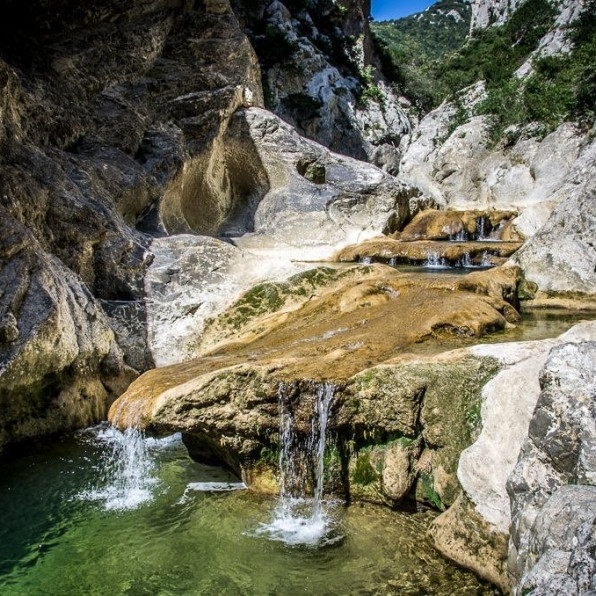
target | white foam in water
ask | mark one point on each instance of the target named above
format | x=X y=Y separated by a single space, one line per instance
x=433 y=261
x=300 y=520
x=126 y=469
x=295 y=523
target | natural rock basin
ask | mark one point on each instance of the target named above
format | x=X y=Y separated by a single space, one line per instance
x=56 y=538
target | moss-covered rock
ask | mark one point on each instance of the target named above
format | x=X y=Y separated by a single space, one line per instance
x=437 y=399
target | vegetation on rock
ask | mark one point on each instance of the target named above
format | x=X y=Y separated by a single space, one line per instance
x=559 y=88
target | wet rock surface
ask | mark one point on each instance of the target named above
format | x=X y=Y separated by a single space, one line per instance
x=60 y=364
x=432 y=253
x=327 y=325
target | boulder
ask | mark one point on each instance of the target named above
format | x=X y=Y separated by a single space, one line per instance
x=316 y=200
x=554 y=475
x=561 y=258
x=325 y=326
x=475 y=531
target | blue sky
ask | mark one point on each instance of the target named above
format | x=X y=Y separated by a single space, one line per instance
x=384 y=10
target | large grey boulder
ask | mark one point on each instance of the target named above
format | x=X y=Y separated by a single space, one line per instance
x=552 y=485
x=508 y=405
x=561 y=257
x=317 y=199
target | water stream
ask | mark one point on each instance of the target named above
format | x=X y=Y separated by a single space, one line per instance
x=110 y=513
x=301 y=517
x=187 y=537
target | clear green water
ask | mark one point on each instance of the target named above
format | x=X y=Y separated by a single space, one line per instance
x=55 y=539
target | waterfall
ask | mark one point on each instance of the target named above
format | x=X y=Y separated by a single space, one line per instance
x=124 y=477
x=433 y=261
x=486 y=262
x=480 y=228
x=465 y=261
x=461 y=236
x=301 y=517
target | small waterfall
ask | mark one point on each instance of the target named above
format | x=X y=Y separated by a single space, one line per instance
x=461 y=236
x=434 y=261
x=365 y=260
x=301 y=517
x=465 y=261
x=481 y=228
x=486 y=262
x=125 y=474
x=392 y=262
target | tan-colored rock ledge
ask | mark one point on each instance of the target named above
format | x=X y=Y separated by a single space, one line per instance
x=432 y=224
x=360 y=317
x=418 y=252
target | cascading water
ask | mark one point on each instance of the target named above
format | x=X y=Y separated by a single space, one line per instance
x=481 y=228
x=125 y=473
x=434 y=261
x=461 y=236
x=299 y=519
x=465 y=261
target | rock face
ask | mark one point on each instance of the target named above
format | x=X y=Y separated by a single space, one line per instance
x=491 y=12
x=475 y=531
x=552 y=488
x=313 y=202
x=59 y=359
x=461 y=172
x=549 y=182
x=106 y=127
x=319 y=75
x=561 y=257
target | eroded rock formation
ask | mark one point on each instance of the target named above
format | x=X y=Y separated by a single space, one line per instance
x=553 y=485
x=319 y=75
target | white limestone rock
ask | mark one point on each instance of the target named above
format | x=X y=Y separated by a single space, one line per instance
x=508 y=404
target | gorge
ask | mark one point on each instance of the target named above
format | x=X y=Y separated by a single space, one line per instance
x=204 y=202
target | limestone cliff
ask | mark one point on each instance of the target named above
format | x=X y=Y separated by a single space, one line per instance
x=460 y=159
x=107 y=112
x=118 y=134
x=491 y=12
x=319 y=74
